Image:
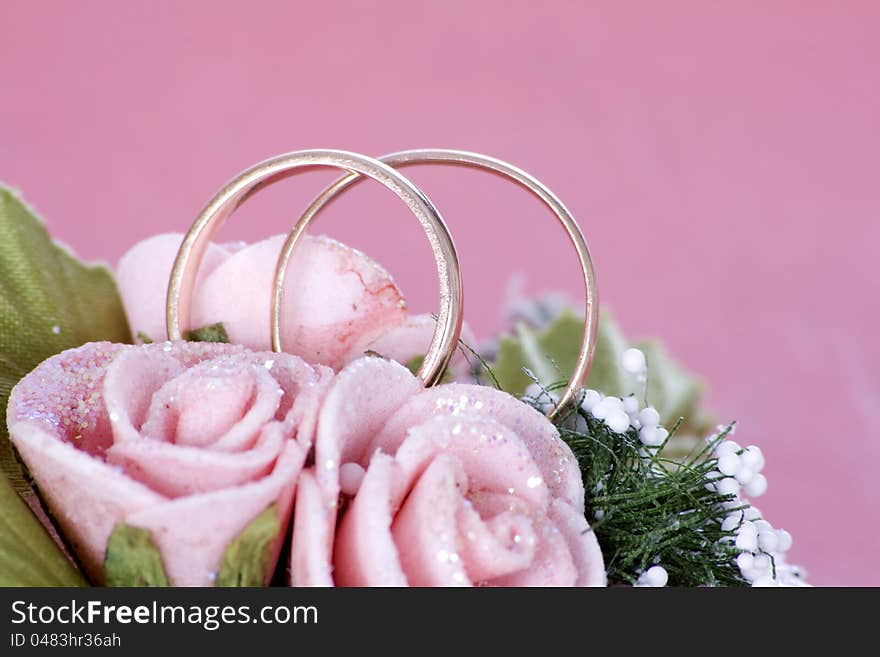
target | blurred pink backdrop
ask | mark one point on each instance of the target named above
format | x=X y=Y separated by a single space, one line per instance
x=722 y=158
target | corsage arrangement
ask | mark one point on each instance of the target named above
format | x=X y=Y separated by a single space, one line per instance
x=216 y=414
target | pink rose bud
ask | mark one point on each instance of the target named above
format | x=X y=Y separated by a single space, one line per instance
x=338 y=302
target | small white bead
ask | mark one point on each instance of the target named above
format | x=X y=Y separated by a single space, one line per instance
x=748 y=528
x=631 y=405
x=727 y=447
x=651 y=436
x=745 y=475
x=729 y=464
x=655 y=576
x=601 y=410
x=649 y=417
x=613 y=403
x=751 y=513
x=745 y=561
x=768 y=541
x=731 y=522
x=617 y=421
x=763 y=526
x=591 y=399
x=784 y=539
x=712 y=476
x=757 y=486
x=762 y=564
x=633 y=361
x=727 y=486
x=753 y=457
x=747 y=542
x=764 y=581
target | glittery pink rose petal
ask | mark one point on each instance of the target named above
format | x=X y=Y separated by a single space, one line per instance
x=500 y=545
x=554 y=458
x=493 y=457
x=334 y=295
x=178 y=471
x=312 y=541
x=425 y=529
x=87 y=496
x=219 y=405
x=192 y=533
x=191 y=440
x=582 y=544
x=364 y=552
x=360 y=401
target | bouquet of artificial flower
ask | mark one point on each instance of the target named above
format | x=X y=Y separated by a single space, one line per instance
x=133 y=460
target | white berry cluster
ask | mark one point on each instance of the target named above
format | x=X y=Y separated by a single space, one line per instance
x=619 y=415
x=761 y=547
x=739 y=469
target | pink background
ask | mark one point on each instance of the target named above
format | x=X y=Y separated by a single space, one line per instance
x=722 y=158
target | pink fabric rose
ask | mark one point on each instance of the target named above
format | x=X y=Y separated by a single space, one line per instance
x=338 y=302
x=455 y=485
x=190 y=441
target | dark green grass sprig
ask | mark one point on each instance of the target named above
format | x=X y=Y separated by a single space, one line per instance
x=648 y=510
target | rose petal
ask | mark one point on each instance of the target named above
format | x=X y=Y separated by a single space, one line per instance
x=312 y=541
x=132 y=378
x=87 y=496
x=558 y=466
x=552 y=564
x=364 y=552
x=410 y=340
x=582 y=544
x=361 y=399
x=142 y=277
x=425 y=529
x=218 y=404
x=492 y=456
x=63 y=394
x=503 y=544
x=178 y=470
x=304 y=387
x=192 y=533
x=334 y=295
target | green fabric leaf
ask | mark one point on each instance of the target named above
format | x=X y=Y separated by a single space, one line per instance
x=132 y=558
x=210 y=333
x=49 y=302
x=248 y=558
x=28 y=555
x=550 y=354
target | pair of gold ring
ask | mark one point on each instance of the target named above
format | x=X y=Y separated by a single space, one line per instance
x=383 y=170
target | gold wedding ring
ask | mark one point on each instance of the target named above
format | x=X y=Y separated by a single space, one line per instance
x=500 y=168
x=228 y=199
